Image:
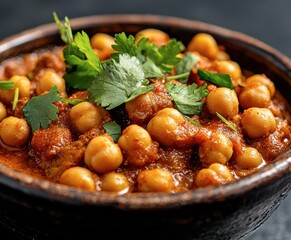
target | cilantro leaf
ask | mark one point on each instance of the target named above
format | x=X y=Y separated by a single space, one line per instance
x=164 y=56
x=40 y=111
x=113 y=129
x=185 y=66
x=124 y=44
x=221 y=80
x=83 y=63
x=187 y=98
x=118 y=82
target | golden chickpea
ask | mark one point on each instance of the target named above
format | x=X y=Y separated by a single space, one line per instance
x=222 y=56
x=86 y=116
x=78 y=177
x=154 y=35
x=20 y=82
x=263 y=79
x=255 y=95
x=134 y=137
x=137 y=145
x=218 y=149
x=224 y=101
x=14 y=131
x=141 y=108
x=103 y=155
x=258 y=122
x=164 y=126
x=248 y=158
x=3 y=112
x=229 y=67
x=115 y=182
x=214 y=175
x=155 y=180
x=204 y=44
x=222 y=171
x=102 y=42
x=50 y=79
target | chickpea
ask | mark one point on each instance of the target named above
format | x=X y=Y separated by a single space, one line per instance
x=86 y=116
x=155 y=180
x=140 y=108
x=248 y=158
x=164 y=126
x=102 y=154
x=214 y=175
x=154 y=35
x=115 y=182
x=134 y=137
x=14 y=131
x=258 y=122
x=102 y=42
x=3 y=112
x=255 y=95
x=218 y=149
x=138 y=146
x=48 y=80
x=264 y=80
x=224 y=101
x=229 y=67
x=20 y=82
x=222 y=56
x=78 y=177
x=204 y=44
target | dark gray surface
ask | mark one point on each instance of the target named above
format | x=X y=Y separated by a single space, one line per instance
x=266 y=20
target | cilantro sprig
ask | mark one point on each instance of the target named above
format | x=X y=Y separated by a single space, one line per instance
x=221 y=80
x=187 y=98
x=154 y=59
x=119 y=82
x=83 y=65
x=39 y=111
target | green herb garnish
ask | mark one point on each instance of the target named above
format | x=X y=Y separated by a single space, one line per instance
x=226 y=122
x=118 y=82
x=221 y=80
x=72 y=101
x=187 y=98
x=83 y=65
x=6 y=85
x=185 y=66
x=113 y=129
x=196 y=123
x=40 y=111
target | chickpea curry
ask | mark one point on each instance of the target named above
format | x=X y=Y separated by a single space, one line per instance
x=139 y=113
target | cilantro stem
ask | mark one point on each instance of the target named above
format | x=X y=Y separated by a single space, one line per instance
x=72 y=102
x=182 y=75
x=196 y=123
x=15 y=98
x=226 y=122
x=6 y=85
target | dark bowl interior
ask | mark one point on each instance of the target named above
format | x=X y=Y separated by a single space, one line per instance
x=34 y=208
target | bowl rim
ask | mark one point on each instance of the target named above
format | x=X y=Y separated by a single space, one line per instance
x=67 y=195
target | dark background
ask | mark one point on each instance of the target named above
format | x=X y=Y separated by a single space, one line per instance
x=266 y=20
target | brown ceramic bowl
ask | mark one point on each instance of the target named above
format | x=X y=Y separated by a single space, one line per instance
x=32 y=208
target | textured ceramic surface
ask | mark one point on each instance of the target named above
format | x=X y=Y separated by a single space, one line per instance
x=32 y=208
